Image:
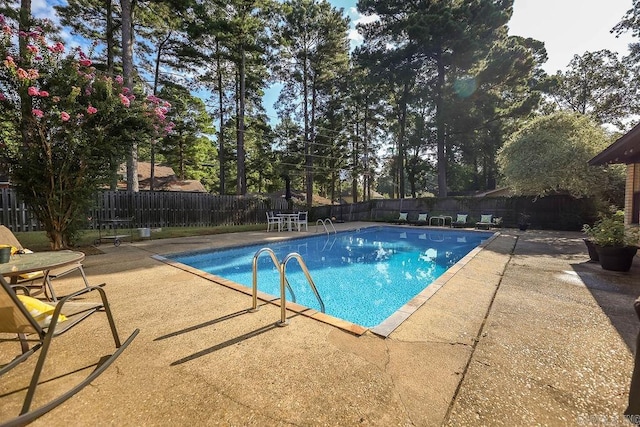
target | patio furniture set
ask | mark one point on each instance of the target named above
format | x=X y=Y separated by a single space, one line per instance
x=288 y=221
x=34 y=323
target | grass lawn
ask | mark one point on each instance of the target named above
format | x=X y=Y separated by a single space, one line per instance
x=37 y=240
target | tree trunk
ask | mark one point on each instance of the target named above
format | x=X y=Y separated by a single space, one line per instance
x=109 y=37
x=307 y=137
x=241 y=179
x=221 y=158
x=440 y=136
x=402 y=118
x=127 y=71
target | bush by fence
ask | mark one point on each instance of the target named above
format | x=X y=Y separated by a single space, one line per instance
x=175 y=209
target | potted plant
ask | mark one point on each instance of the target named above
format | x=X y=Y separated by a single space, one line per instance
x=523 y=221
x=615 y=243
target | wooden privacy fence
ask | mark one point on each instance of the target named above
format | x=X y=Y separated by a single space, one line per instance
x=154 y=209
x=559 y=212
x=176 y=209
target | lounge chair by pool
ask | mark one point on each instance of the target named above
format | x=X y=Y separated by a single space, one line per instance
x=461 y=221
x=422 y=219
x=486 y=221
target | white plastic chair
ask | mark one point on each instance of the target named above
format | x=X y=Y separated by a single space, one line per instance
x=303 y=219
x=272 y=220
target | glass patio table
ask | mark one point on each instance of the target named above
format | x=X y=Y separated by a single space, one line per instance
x=38 y=261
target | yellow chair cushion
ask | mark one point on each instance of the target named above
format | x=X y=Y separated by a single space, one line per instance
x=40 y=311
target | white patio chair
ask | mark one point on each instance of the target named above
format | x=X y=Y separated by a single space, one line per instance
x=303 y=219
x=272 y=221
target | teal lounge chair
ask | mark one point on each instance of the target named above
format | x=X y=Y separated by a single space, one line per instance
x=422 y=219
x=461 y=221
x=486 y=221
x=402 y=218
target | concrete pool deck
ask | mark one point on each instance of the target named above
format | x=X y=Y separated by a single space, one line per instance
x=527 y=332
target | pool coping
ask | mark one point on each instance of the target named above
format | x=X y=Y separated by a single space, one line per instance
x=384 y=329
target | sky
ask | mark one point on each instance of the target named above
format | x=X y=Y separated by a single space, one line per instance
x=567 y=27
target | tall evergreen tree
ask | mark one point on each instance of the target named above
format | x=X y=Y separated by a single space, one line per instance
x=314 y=53
x=449 y=36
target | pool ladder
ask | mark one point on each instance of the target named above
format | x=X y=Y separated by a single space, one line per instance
x=324 y=223
x=282 y=268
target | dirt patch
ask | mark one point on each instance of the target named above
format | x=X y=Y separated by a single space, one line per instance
x=88 y=250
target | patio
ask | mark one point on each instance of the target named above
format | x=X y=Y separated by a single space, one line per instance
x=527 y=332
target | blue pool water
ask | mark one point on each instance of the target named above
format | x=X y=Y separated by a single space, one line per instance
x=362 y=276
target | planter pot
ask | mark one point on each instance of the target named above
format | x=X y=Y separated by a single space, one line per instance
x=616 y=258
x=591 y=248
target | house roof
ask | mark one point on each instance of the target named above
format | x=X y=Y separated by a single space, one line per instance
x=625 y=149
x=165 y=179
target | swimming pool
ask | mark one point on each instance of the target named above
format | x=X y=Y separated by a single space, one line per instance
x=362 y=276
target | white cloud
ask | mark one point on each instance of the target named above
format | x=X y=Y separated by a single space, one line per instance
x=44 y=9
x=355 y=35
x=358 y=18
x=366 y=19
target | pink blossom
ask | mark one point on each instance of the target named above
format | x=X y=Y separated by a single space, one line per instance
x=56 y=48
x=56 y=99
x=9 y=62
x=91 y=109
x=44 y=93
x=7 y=29
x=37 y=113
x=64 y=116
x=33 y=74
x=33 y=49
x=154 y=99
x=119 y=80
x=85 y=62
x=33 y=91
x=125 y=101
x=2 y=97
x=125 y=90
x=22 y=74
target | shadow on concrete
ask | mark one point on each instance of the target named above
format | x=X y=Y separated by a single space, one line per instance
x=202 y=325
x=224 y=344
x=615 y=293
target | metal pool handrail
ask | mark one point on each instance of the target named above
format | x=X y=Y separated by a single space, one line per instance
x=254 y=306
x=324 y=224
x=282 y=267
x=283 y=273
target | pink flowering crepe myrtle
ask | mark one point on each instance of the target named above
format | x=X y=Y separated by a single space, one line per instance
x=41 y=54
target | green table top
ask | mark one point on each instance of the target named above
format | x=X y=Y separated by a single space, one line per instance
x=27 y=263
